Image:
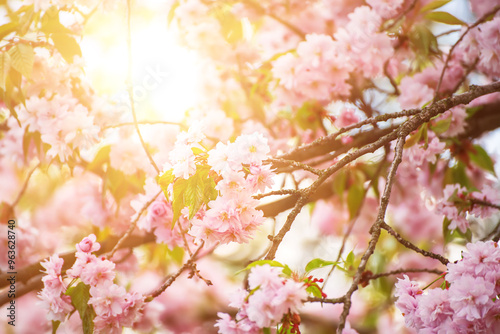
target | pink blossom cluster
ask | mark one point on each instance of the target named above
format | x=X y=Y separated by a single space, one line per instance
x=483 y=44
x=271 y=297
x=204 y=30
x=233 y=216
x=386 y=8
x=159 y=217
x=113 y=306
x=456 y=204
x=319 y=72
x=418 y=90
x=362 y=42
x=52 y=295
x=417 y=154
x=64 y=124
x=468 y=304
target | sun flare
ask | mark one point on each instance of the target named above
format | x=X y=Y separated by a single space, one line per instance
x=166 y=76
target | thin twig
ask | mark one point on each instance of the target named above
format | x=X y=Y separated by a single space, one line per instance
x=277 y=162
x=402 y=271
x=411 y=246
x=326 y=300
x=170 y=279
x=448 y=57
x=277 y=192
x=143 y=123
x=25 y=186
x=133 y=225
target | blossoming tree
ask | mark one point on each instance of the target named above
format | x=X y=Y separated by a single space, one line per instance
x=355 y=125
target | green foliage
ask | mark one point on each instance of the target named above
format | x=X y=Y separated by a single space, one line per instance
x=415 y=138
x=434 y=5
x=67 y=46
x=424 y=43
x=481 y=159
x=444 y=17
x=199 y=189
x=4 y=68
x=80 y=295
x=455 y=235
x=318 y=263
x=55 y=326
x=355 y=196
x=441 y=126
x=22 y=58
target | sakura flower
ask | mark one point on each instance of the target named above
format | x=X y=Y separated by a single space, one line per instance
x=88 y=244
x=251 y=149
x=98 y=273
x=57 y=306
x=108 y=300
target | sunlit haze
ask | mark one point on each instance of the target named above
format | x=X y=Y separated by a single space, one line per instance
x=165 y=75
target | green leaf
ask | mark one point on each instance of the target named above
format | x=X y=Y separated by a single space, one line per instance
x=266 y=330
x=287 y=271
x=314 y=290
x=231 y=26
x=177 y=254
x=165 y=180
x=416 y=137
x=4 y=68
x=7 y=29
x=481 y=159
x=349 y=259
x=55 y=326
x=444 y=17
x=197 y=150
x=441 y=126
x=67 y=46
x=339 y=183
x=423 y=42
x=51 y=24
x=22 y=58
x=318 y=263
x=434 y=5
x=194 y=196
x=80 y=295
x=25 y=20
x=100 y=159
x=355 y=196
x=178 y=202
x=171 y=12
x=272 y=263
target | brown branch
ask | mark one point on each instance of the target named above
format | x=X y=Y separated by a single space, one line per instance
x=325 y=300
x=355 y=218
x=484 y=203
x=376 y=227
x=277 y=192
x=284 y=162
x=411 y=246
x=402 y=271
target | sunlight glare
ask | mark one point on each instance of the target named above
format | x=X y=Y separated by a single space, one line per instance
x=166 y=76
